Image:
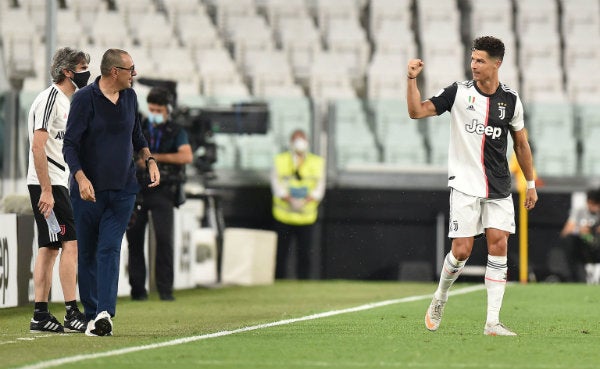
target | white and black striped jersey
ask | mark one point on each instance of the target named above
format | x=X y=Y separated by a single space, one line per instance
x=49 y=111
x=477 y=163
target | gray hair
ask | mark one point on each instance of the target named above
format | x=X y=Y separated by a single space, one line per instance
x=66 y=58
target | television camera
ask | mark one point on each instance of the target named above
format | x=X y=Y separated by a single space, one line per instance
x=203 y=123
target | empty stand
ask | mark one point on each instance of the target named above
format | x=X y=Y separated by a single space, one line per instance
x=287 y=114
x=402 y=142
x=553 y=135
x=312 y=60
x=187 y=26
x=354 y=140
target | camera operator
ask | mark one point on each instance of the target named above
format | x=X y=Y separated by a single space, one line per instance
x=170 y=148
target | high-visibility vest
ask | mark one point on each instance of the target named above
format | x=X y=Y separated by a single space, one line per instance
x=301 y=185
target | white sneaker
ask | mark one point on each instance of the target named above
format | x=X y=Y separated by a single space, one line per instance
x=433 y=317
x=497 y=329
x=101 y=326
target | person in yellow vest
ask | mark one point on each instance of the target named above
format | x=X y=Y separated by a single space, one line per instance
x=298 y=186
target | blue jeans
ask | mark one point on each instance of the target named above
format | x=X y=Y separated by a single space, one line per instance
x=100 y=228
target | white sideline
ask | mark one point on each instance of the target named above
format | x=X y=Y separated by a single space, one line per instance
x=76 y=358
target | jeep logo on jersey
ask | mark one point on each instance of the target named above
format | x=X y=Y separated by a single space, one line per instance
x=482 y=129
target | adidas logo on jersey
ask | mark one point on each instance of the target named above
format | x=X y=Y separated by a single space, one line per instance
x=482 y=129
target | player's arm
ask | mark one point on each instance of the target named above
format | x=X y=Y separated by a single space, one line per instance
x=417 y=108
x=40 y=162
x=525 y=159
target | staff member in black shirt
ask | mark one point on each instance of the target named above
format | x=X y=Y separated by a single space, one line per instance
x=170 y=146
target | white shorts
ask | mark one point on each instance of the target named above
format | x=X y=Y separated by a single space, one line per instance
x=471 y=215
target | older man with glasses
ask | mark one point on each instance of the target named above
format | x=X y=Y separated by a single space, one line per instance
x=103 y=130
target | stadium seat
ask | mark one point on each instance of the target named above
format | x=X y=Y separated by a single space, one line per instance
x=385 y=78
x=133 y=8
x=542 y=79
x=497 y=14
x=186 y=27
x=152 y=30
x=397 y=11
x=580 y=19
x=330 y=77
x=395 y=37
x=346 y=37
x=354 y=140
x=176 y=8
x=12 y=21
x=109 y=29
x=69 y=31
x=186 y=74
x=144 y=63
x=284 y=91
x=20 y=56
x=191 y=100
x=552 y=131
x=590 y=136
x=438 y=138
x=257 y=151
x=223 y=10
x=287 y=114
x=247 y=33
x=402 y=142
x=588 y=118
x=216 y=63
x=300 y=40
x=275 y=10
x=86 y=12
x=327 y=10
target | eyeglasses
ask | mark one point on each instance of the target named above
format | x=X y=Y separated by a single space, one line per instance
x=131 y=70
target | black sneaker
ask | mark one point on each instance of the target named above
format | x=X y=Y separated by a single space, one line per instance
x=75 y=322
x=143 y=297
x=167 y=297
x=48 y=324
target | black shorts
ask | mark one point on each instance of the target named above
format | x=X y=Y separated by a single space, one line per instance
x=64 y=214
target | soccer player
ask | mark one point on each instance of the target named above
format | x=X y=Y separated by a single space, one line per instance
x=483 y=111
x=47 y=181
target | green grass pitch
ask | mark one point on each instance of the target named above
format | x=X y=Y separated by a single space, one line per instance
x=558 y=327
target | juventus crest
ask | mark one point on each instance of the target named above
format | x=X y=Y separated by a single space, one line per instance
x=501 y=110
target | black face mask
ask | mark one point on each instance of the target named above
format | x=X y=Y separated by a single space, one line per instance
x=80 y=79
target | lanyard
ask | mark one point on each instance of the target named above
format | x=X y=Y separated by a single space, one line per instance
x=155 y=136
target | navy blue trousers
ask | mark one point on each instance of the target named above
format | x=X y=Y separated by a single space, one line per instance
x=100 y=228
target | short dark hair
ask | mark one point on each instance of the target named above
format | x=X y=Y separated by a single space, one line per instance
x=492 y=45
x=593 y=195
x=159 y=96
x=111 y=58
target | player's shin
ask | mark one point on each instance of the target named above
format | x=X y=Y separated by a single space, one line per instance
x=495 y=282
x=450 y=272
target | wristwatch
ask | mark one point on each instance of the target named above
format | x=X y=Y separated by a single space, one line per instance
x=150 y=158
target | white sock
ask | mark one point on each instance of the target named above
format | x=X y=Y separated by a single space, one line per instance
x=495 y=282
x=589 y=272
x=450 y=272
